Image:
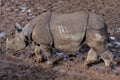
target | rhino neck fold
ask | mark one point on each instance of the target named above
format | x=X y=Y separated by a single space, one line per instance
x=27 y=31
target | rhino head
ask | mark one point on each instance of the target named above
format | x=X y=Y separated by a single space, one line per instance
x=18 y=42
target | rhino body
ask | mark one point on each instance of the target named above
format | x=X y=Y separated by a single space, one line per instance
x=66 y=32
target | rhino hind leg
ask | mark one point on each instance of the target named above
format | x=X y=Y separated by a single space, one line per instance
x=107 y=57
x=95 y=51
x=98 y=44
x=91 y=57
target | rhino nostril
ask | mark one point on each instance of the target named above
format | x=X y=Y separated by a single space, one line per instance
x=9 y=50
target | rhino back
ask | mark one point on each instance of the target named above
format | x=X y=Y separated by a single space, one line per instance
x=41 y=32
x=68 y=30
x=96 y=21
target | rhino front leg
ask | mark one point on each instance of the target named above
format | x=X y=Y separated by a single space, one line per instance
x=107 y=57
x=91 y=57
x=38 y=55
x=47 y=52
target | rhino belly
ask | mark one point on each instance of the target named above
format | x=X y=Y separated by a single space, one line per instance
x=68 y=42
x=68 y=32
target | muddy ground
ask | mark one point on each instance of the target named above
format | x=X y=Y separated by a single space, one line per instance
x=21 y=66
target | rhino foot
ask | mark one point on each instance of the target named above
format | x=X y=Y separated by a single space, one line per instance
x=87 y=64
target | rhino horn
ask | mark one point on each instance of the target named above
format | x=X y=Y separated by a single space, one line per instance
x=18 y=27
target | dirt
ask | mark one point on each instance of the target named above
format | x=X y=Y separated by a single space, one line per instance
x=21 y=66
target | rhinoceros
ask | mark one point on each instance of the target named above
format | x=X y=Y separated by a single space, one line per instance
x=65 y=32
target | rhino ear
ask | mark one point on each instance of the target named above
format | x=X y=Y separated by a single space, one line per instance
x=18 y=27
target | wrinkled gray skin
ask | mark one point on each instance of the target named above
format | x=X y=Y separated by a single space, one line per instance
x=66 y=31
